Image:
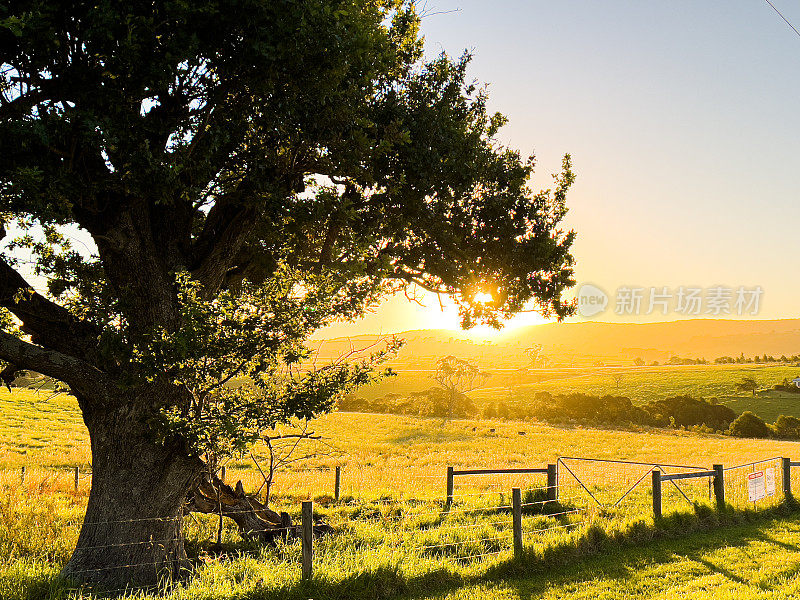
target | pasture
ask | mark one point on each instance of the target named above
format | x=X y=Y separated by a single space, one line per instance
x=393 y=538
x=640 y=384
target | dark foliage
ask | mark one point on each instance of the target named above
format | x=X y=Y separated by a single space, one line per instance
x=749 y=425
x=685 y=411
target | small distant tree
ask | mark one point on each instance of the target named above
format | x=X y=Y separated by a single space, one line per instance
x=490 y=411
x=533 y=354
x=503 y=411
x=747 y=384
x=293 y=444
x=749 y=425
x=458 y=376
x=638 y=361
x=617 y=377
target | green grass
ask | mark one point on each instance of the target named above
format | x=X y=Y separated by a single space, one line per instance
x=644 y=384
x=39 y=424
x=768 y=404
x=751 y=561
x=373 y=558
x=393 y=481
x=641 y=384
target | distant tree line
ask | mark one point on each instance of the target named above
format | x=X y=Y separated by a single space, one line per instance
x=674 y=360
x=765 y=359
x=433 y=402
x=677 y=360
x=724 y=360
x=678 y=412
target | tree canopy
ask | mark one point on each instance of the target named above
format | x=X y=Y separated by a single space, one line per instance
x=202 y=185
x=303 y=160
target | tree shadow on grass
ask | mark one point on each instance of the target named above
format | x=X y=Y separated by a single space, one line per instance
x=621 y=566
x=595 y=553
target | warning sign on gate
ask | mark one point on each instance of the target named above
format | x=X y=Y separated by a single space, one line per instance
x=770 y=481
x=756 y=488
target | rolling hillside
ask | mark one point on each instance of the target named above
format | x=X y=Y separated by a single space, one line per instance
x=586 y=343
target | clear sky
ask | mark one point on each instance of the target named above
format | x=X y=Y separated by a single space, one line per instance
x=683 y=120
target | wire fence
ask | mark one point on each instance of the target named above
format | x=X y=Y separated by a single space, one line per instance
x=463 y=515
x=756 y=484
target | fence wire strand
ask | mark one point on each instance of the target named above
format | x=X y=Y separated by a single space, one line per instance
x=479 y=510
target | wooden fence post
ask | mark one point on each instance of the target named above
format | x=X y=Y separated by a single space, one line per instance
x=656 y=494
x=449 y=502
x=516 y=509
x=77 y=476
x=552 y=483
x=308 y=538
x=787 y=478
x=22 y=476
x=719 y=486
x=338 y=483
x=222 y=474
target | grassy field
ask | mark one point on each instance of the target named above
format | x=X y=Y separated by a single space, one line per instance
x=41 y=430
x=747 y=562
x=393 y=539
x=768 y=404
x=641 y=384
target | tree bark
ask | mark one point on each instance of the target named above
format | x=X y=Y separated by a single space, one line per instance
x=132 y=533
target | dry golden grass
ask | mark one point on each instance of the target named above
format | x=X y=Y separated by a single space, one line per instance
x=380 y=454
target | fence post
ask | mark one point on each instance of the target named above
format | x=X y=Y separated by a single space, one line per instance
x=308 y=538
x=552 y=483
x=656 y=494
x=449 y=502
x=222 y=474
x=516 y=509
x=338 y=483
x=787 y=478
x=22 y=476
x=77 y=475
x=719 y=486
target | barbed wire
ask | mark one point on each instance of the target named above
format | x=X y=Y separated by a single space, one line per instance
x=585 y=488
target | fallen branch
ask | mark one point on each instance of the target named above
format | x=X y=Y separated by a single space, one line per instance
x=256 y=522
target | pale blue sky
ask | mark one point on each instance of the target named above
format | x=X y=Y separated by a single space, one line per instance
x=683 y=119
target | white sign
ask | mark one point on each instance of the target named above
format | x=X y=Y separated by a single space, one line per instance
x=770 y=481
x=756 y=490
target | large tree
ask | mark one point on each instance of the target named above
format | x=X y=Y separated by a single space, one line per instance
x=204 y=184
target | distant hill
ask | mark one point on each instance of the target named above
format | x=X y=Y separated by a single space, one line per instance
x=582 y=343
x=707 y=338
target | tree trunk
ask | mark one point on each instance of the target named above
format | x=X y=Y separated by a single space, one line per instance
x=132 y=533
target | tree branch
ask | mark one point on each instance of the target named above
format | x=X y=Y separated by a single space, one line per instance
x=47 y=323
x=86 y=381
x=409 y=277
x=227 y=226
